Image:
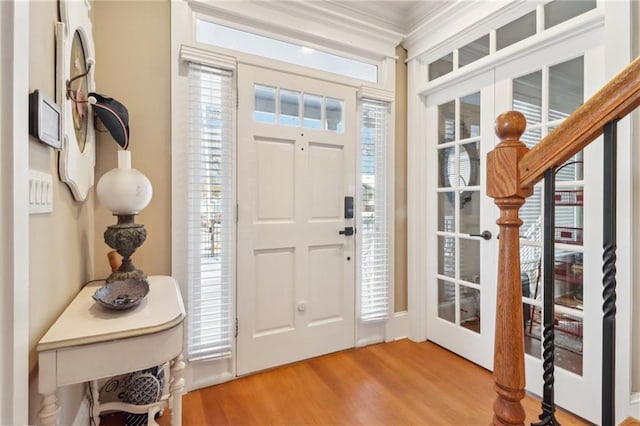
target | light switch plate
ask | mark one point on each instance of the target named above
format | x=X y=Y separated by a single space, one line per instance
x=40 y=192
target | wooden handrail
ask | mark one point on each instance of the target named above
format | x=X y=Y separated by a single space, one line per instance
x=614 y=101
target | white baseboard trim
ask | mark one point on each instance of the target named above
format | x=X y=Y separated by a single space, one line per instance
x=634 y=405
x=82 y=416
x=398 y=326
x=207 y=381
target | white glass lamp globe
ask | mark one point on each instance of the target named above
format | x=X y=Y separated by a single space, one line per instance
x=124 y=190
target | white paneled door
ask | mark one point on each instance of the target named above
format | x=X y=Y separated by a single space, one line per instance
x=295 y=271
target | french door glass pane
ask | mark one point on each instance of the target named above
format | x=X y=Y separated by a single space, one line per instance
x=446 y=214
x=470 y=116
x=531 y=270
x=469 y=212
x=566 y=88
x=470 y=260
x=447 y=258
x=447 y=300
x=446 y=167
x=527 y=97
x=532 y=330
x=469 y=174
x=447 y=122
x=470 y=308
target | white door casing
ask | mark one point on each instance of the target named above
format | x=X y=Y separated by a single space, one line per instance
x=295 y=272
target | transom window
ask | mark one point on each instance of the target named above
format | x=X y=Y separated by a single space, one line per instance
x=254 y=44
x=552 y=14
x=275 y=105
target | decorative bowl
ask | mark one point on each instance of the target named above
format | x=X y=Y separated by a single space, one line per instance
x=122 y=294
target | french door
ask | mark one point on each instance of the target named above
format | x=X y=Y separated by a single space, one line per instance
x=296 y=270
x=547 y=87
x=461 y=245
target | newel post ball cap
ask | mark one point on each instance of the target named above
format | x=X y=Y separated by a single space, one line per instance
x=124 y=190
x=510 y=125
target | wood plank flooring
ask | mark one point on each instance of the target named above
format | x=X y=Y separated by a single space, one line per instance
x=398 y=383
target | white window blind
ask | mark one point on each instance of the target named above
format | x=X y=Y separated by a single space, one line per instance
x=211 y=227
x=373 y=232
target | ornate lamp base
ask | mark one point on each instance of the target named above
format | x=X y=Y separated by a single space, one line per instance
x=125 y=237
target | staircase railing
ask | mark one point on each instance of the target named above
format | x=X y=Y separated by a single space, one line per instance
x=512 y=171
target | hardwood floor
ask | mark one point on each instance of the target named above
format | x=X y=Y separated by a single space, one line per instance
x=398 y=383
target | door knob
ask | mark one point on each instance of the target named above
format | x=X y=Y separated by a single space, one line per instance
x=485 y=235
x=348 y=230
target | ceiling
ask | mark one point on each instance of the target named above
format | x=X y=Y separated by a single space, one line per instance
x=395 y=15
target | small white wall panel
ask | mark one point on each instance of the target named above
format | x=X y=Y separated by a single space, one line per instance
x=326 y=275
x=326 y=166
x=275 y=179
x=275 y=290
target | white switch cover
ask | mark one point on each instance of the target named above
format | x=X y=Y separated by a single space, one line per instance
x=40 y=192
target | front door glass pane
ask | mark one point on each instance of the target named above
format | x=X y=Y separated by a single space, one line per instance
x=312 y=111
x=289 y=108
x=334 y=113
x=264 y=110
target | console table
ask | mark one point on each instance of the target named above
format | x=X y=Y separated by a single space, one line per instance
x=89 y=342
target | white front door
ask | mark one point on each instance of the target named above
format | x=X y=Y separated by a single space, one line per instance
x=461 y=240
x=295 y=271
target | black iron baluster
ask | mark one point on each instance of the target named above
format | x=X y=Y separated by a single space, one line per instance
x=548 y=246
x=609 y=276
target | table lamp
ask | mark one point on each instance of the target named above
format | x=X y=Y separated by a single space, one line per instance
x=125 y=192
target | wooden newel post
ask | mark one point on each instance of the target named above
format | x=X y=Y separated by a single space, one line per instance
x=503 y=185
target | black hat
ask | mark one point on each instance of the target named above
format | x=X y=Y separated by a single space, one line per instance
x=113 y=115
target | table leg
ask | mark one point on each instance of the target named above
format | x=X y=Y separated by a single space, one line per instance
x=49 y=410
x=176 y=390
x=95 y=403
